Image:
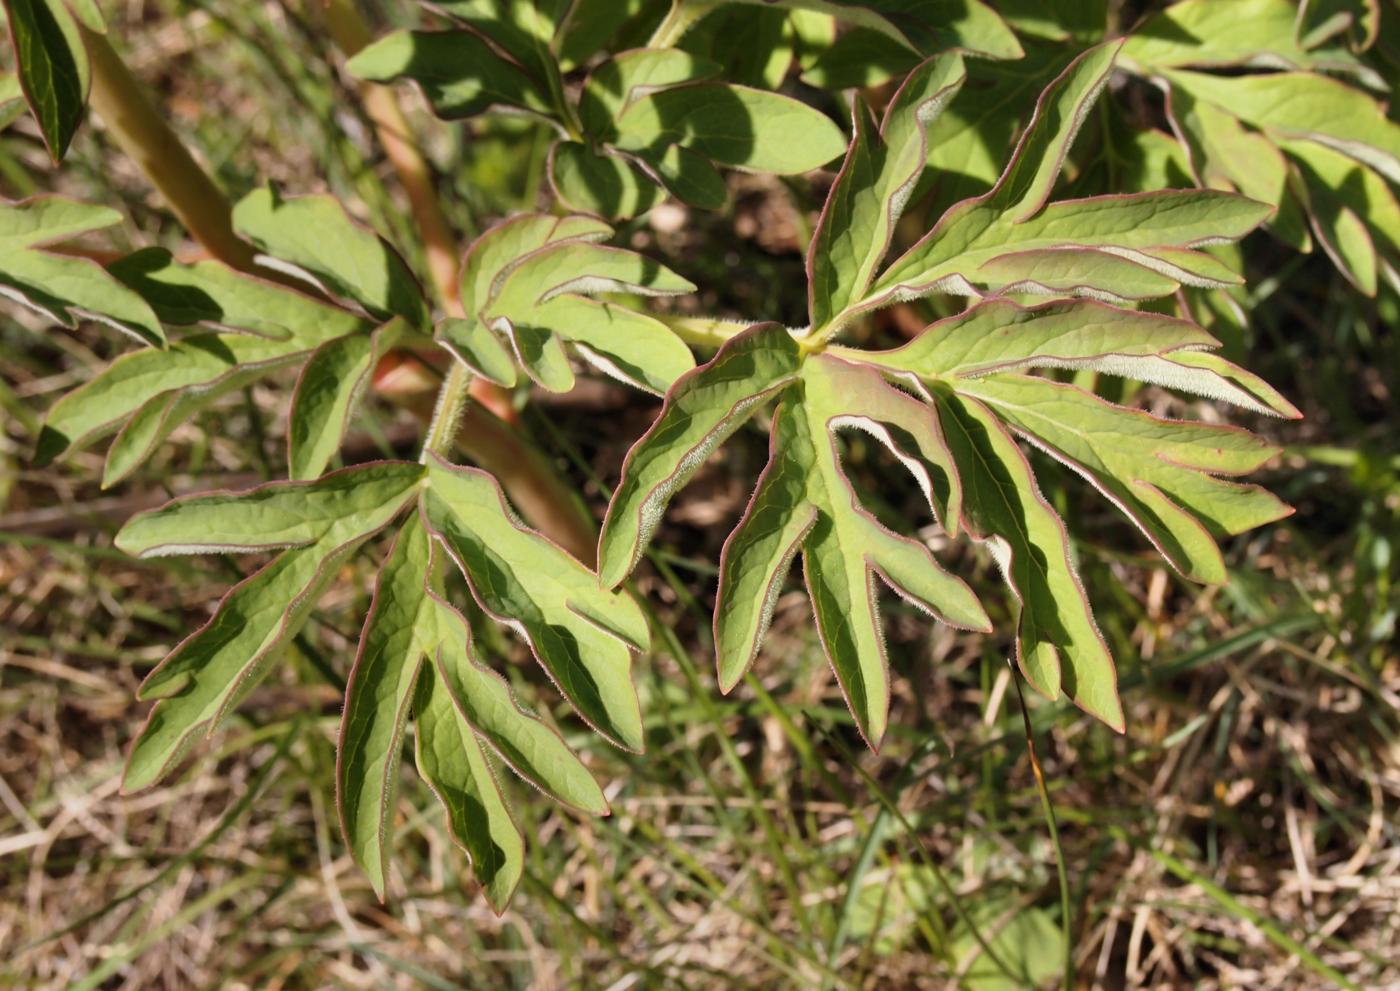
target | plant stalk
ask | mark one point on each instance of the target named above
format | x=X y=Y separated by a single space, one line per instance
x=145 y=136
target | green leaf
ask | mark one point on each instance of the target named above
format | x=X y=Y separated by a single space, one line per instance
x=539 y=302
x=925 y=26
x=399 y=631
x=1342 y=195
x=278 y=514
x=53 y=67
x=766 y=55
x=452 y=763
x=1158 y=472
x=804 y=501
x=216 y=295
x=580 y=634
x=701 y=411
x=1025 y=939
x=527 y=279
x=1000 y=336
x=479 y=349
x=283 y=327
x=201 y=363
x=1008 y=240
x=460 y=74
x=968 y=142
x=1058 y=644
x=603 y=185
x=859 y=58
x=1255 y=33
x=628 y=76
x=63 y=287
x=89 y=14
x=1225 y=155
x=492 y=256
x=525 y=29
x=363 y=266
x=732 y=125
x=688 y=176
x=160 y=415
x=486 y=703
x=872 y=188
x=1304 y=106
x=208 y=674
x=327 y=393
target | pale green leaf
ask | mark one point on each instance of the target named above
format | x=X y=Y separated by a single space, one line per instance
x=967 y=251
x=397 y=635
x=1160 y=473
x=492 y=256
x=53 y=66
x=1304 y=105
x=278 y=514
x=60 y=286
x=603 y=185
x=527 y=30
x=458 y=699
x=452 y=763
x=537 y=305
x=532 y=749
x=968 y=143
x=1058 y=644
x=629 y=346
x=213 y=294
x=479 y=349
x=362 y=266
x=1207 y=33
x=327 y=393
x=288 y=326
x=925 y=26
x=202 y=362
x=704 y=408
x=732 y=125
x=1353 y=210
x=12 y=105
x=162 y=414
x=973 y=248
x=858 y=59
x=580 y=633
x=764 y=57
x=803 y=500
x=615 y=84
x=1000 y=336
x=1224 y=154
x=89 y=14
x=688 y=176
x=872 y=188
x=214 y=669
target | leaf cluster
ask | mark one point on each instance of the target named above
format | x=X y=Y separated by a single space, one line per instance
x=1081 y=284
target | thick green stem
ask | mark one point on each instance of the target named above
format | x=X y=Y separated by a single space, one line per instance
x=143 y=134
